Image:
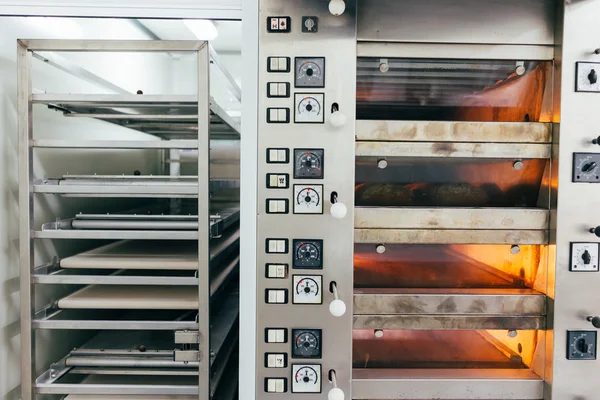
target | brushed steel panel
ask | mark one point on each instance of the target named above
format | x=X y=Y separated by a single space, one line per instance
x=452 y=150
x=450 y=322
x=449 y=301
x=522 y=22
x=450 y=218
x=450 y=236
x=454 y=131
x=445 y=384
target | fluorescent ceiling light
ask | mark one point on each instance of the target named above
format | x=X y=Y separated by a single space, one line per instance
x=203 y=29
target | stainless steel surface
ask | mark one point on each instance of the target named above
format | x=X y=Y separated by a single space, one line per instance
x=492 y=302
x=450 y=236
x=26 y=222
x=574 y=205
x=115 y=144
x=453 y=131
x=163 y=115
x=335 y=41
x=455 y=50
x=204 y=223
x=129 y=46
x=454 y=150
x=449 y=321
x=514 y=22
x=102 y=305
x=466 y=384
x=450 y=218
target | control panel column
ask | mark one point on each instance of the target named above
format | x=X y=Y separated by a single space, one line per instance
x=575 y=363
x=307 y=81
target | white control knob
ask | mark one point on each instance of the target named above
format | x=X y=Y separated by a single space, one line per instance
x=380 y=249
x=337 y=7
x=336 y=394
x=338 y=210
x=337 y=308
x=338 y=119
x=378 y=333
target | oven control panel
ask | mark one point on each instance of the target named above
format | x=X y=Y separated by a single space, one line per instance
x=306 y=165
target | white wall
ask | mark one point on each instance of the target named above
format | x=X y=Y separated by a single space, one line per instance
x=130 y=72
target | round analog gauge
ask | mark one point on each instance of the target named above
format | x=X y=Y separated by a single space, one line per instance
x=309 y=105
x=307 y=252
x=307 y=375
x=308 y=163
x=308 y=197
x=308 y=286
x=307 y=343
x=309 y=71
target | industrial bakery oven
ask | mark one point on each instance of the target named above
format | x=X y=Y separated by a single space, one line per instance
x=130 y=244
x=433 y=218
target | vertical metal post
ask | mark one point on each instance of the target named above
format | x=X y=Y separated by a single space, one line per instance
x=204 y=220
x=25 y=132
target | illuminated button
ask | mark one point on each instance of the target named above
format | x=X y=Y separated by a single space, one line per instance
x=277 y=246
x=276 y=296
x=273 y=89
x=277 y=271
x=273 y=115
x=273 y=156
x=276 y=385
x=282 y=114
x=277 y=206
x=283 y=156
x=283 y=90
x=273 y=64
x=276 y=336
x=273 y=180
x=283 y=64
x=276 y=361
x=274 y=23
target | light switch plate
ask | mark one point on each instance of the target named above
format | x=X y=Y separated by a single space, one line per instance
x=577 y=257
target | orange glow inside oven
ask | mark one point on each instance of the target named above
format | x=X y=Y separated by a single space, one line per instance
x=494 y=349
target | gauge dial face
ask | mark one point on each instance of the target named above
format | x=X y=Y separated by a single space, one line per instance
x=306 y=379
x=307 y=289
x=308 y=254
x=310 y=72
x=308 y=199
x=309 y=108
x=586 y=167
x=584 y=257
x=307 y=343
x=308 y=163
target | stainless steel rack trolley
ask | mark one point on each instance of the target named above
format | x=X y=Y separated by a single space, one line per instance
x=135 y=294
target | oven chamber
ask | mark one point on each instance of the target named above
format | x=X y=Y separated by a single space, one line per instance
x=453 y=182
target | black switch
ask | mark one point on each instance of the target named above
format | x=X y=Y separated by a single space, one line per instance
x=593 y=76
x=589 y=167
x=587 y=257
